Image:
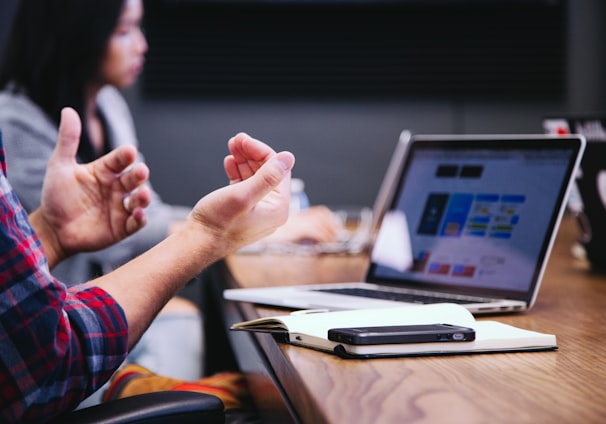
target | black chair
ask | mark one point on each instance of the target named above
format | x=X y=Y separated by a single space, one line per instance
x=152 y=408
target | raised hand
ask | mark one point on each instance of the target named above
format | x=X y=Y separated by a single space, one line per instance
x=89 y=206
x=256 y=201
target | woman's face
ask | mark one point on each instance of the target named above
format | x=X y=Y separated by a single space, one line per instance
x=125 y=55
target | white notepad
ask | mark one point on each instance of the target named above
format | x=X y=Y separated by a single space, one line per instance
x=311 y=330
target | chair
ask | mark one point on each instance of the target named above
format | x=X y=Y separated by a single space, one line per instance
x=152 y=408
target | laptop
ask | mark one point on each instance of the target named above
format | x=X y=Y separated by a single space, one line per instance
x=587 y=200
x=370 y=221
x=472 y=220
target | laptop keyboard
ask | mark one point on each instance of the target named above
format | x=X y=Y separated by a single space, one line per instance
x=400 y=297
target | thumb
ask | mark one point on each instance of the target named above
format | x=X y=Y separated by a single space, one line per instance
x=271 y=175
x=70 y=129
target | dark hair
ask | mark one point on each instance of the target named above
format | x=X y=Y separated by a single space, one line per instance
x=55 y=49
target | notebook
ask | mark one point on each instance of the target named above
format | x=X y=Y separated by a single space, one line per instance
x=587 y=200
x=311 y=331
x=472 y=221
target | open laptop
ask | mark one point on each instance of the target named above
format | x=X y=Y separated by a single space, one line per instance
x=587 y=199
x=480 y=217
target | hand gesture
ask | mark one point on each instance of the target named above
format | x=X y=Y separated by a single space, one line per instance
x=89 y=206
x=256 y=201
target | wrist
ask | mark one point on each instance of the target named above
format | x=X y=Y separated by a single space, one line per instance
x=203 y=241
x=48 y=237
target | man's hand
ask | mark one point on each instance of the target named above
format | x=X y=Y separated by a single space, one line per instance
x=256 y=201
x=88 y=206
x=252 y=206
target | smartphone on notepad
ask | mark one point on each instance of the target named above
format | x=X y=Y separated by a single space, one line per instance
x=396 y=334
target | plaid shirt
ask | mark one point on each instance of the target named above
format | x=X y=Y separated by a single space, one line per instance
x=57 y=345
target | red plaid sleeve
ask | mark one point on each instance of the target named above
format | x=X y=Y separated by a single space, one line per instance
x=57 y=346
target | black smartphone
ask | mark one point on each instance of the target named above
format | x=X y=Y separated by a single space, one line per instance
x=396 y=334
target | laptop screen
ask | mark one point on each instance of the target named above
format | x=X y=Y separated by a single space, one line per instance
x=480 y=212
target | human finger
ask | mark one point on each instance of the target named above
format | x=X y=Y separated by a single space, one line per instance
x=270 y=176
x=138 y=199
x=70 y=129
x=136 y=220
x=231 y=169
x=134 y=177
x=117 y=160
x=242 y=146
x=247 y=155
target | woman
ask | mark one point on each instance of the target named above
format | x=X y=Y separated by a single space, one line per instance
x=48 y=66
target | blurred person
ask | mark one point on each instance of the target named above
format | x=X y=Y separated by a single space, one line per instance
x=75 y=53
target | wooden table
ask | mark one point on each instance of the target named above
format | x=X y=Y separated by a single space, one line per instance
x=301 y=385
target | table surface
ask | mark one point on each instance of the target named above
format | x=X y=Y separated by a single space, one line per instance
x=567 y=385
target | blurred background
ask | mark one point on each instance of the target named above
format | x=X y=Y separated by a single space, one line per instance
x=336 y=81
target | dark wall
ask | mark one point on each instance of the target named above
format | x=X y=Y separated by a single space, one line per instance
x=7 y=8
x=355 y=49
x=343 y=144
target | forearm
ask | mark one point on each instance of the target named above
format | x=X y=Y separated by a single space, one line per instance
x=144 y=285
